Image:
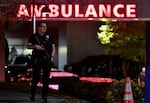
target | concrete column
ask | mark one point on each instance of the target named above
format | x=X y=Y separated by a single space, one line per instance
x=147 y=86
x=62 y=45
x=2 y=52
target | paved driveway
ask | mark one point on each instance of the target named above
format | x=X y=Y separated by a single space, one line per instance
x=17 y=97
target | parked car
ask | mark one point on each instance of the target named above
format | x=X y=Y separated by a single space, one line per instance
x=17 y=67
x=97 y=65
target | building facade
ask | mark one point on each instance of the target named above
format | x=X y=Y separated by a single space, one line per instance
x=76 y=27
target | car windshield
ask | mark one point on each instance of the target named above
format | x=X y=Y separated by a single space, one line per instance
x=21 y=60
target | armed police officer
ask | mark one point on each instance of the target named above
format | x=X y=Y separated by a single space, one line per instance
x=42 y=56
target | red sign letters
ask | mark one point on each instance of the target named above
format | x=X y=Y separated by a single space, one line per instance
x=76 y=11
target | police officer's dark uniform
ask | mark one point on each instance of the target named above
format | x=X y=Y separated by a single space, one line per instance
x=41 y=61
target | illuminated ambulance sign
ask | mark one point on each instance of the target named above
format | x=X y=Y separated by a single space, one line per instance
x=77 y=11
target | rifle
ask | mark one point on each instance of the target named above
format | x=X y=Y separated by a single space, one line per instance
x=46 y=52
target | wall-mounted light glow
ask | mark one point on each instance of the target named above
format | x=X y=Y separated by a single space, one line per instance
x=105 y=33
x=104 y=19
x=105 y=28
